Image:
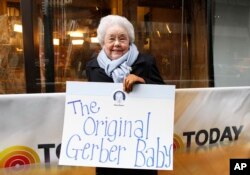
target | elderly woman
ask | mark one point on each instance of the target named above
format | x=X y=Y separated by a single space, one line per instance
x=119 y=61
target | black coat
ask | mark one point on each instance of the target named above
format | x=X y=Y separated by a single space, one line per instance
x=143 y=67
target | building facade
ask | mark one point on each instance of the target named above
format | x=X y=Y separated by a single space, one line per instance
x=196 y=43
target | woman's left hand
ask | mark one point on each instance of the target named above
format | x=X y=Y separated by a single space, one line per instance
x=130 y=80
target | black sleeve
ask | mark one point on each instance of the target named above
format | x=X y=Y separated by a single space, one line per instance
x=89 y=69
x=153 y=74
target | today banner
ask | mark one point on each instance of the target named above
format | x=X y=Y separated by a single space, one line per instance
x=211 y=127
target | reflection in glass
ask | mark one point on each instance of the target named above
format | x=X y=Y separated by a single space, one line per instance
x=11 y=49
x=169 y=30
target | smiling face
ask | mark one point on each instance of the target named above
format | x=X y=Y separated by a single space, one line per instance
x=116 y=42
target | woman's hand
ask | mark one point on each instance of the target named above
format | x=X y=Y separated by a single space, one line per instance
x=130 y=80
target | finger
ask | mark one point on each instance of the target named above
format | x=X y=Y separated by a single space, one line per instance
x=125 y=88
x=130 y=86
x=127 y=81
x=125 y=84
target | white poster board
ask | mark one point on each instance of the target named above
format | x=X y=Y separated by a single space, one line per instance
x=133 y=131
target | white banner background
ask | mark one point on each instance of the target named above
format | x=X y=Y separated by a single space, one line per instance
x=34 y=119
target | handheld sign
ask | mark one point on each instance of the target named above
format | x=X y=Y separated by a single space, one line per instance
x=106 y=127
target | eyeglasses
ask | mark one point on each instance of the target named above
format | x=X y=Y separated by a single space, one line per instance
x=117 y=39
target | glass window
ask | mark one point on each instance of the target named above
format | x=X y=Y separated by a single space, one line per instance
x=68 y=39
x=12 y=79
x=174 y=32
x=231 y=37
x=195 y=43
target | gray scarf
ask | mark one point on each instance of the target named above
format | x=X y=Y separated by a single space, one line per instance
x=118 y=69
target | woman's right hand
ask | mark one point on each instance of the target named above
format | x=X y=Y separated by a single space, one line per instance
x=130 y=80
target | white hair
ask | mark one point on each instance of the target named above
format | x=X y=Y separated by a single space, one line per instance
x=111 y=20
